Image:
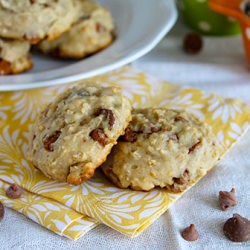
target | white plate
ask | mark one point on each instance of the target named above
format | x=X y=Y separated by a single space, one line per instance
x=141 y=24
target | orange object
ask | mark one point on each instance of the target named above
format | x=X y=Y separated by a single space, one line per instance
x=240 y=10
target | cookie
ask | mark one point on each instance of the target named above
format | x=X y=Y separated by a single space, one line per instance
x=14 y=56
x=34 y=20
x=161 y=148
x=75 y=133
x=85 y=37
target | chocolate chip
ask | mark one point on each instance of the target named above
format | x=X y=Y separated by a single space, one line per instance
x=49 y=141
x=237 y=228
x=194 y=147
x=14 y=192
x=99 y=135
x=100 y=28
x=150 y=129
x=192 y=43
x=227 y=199
x=183 y=179
x=129 y=136
x=190 y=233
x=179 y=118
x=247 y=9
x=32 y=1
x=5 y=67
x=109 y=115
x=1 y=211
x=154 y=128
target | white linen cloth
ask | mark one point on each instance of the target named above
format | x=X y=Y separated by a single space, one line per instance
x=221 y=68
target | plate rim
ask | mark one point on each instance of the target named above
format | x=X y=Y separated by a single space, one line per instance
x=104 y=69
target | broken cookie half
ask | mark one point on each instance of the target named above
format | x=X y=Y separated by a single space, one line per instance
x=75 y=133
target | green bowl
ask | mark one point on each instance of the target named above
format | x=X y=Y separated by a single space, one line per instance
x=198 y=16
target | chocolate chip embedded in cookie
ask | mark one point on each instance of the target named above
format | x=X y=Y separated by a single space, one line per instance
x=161 y=147
x=75 y=133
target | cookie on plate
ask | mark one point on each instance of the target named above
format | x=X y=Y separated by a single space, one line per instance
x=87 y=36
x=34 y=20
x=161 y=148
x=75 y=133
x=14 y=56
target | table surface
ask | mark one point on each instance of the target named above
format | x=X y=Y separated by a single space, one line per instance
x=220 y=68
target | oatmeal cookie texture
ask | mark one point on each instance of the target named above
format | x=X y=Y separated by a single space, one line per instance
x=87 y=36
x=14 y=56
x=161 y=147
x=34 y=20
x=75 y=133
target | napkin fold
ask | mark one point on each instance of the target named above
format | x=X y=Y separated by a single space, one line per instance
x=48 y=213
x=129 y=212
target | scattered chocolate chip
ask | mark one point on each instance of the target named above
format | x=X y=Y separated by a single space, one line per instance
x=192 y=43
x=190 y=233
x=237 y=228
x=48 y=142
x=99 y=135
x=1 y=211
x=129 y=136
x=194 y=147
x=14 y=192
x=32 y=1
x=247 y=9
x=100 y=28
x=227 y=199
x=46 y=5
x=179 y=118
x=5 y=67
x=109 y=115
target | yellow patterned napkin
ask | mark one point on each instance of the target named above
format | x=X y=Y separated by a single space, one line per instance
x=129 y=212
x=48 y=213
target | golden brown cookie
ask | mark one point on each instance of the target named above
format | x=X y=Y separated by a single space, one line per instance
x=14 y=56
x=87 y=36
x=35 y=20
x=161 y=148
x=75 y=133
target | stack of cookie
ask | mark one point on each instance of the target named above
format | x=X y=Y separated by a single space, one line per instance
x=88 y=126
x=65 y=28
